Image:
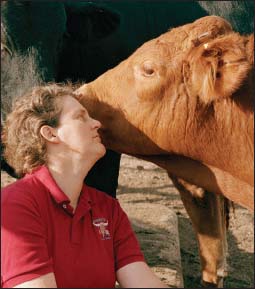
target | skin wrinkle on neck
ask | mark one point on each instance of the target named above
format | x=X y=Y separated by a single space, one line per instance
x=230 y=131
x=181 y=99
x=189 y=120
x=250 y=143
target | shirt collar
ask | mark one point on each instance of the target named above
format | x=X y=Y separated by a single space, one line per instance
x=43 y=174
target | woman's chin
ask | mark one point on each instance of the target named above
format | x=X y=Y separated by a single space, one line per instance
x=101 y=150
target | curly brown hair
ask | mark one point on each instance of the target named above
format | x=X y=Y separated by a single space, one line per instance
x=24 y=147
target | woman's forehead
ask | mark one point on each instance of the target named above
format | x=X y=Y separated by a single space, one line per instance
x=70 y=104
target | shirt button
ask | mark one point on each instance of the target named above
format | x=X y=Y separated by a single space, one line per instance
x=64 y=206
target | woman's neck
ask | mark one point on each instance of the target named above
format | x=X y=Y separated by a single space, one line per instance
x=69 y=176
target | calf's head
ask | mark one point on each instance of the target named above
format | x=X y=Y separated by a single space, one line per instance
x=152 y=102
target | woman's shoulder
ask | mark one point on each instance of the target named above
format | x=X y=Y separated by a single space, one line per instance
x=22 y=188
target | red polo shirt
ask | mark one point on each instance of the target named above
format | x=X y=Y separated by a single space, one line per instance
x=40 y=234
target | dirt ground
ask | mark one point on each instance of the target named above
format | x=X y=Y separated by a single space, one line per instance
x=144 y=183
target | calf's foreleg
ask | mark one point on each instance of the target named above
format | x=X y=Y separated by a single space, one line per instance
x=208 y=213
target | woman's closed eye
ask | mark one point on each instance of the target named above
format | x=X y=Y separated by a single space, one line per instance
x=82 y=117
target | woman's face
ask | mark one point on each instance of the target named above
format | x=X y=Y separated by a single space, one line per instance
x=78 y=131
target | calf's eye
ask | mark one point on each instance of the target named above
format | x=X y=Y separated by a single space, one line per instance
x=147 y=68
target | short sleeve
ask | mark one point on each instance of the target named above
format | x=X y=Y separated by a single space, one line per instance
x=126 y=246
x=23 y=240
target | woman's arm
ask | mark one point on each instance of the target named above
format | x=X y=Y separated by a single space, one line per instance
x=44 y=281
x=138 y=275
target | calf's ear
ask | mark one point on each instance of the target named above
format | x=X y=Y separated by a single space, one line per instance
x=218 y=68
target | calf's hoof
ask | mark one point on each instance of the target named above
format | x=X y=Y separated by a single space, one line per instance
x=213 y=285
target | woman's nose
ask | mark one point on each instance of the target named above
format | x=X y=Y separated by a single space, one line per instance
x=97 y=124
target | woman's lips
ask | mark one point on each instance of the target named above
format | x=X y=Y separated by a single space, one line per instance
x=98 y=137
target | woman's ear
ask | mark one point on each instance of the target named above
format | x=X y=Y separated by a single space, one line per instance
x=49 y=133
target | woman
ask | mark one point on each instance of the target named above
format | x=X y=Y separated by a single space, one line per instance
x=56 y=230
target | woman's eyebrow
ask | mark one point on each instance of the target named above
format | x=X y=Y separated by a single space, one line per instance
x=79 y=111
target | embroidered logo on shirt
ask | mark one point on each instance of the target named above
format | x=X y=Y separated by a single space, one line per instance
x=102 y=223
